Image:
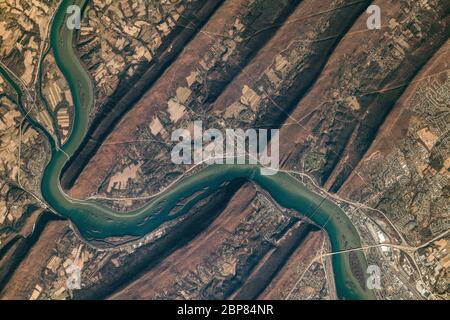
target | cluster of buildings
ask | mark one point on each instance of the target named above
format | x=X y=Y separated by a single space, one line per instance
x=412 y=178
x=312 y=285
x=435 y=266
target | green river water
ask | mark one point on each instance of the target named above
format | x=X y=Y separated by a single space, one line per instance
x=95 y=221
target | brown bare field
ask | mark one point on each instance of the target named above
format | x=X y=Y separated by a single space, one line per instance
x=27 y=275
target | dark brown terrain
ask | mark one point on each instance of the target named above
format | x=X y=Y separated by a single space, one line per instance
x=363 y=113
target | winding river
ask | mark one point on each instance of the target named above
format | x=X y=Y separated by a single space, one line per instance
x=95 y=221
